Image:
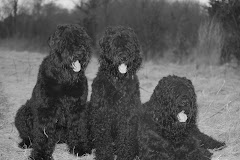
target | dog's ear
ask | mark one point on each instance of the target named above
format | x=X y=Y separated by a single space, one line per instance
x=53 y=44
x=54 y=40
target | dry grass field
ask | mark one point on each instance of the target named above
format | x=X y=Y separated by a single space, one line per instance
x=217 y=88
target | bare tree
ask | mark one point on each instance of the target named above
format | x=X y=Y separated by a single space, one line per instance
x=10 y=9
x=89 y=21
x=105 y=4
x=90 y=9
x=15 y=9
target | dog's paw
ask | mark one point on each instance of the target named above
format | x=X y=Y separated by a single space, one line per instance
x=220 y=145
x=26 y=143
x=41 y=158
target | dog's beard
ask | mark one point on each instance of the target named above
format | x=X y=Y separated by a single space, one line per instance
x=179 y=131
x=74 y=60
x=172 y=126
x=118 y=70
x=176 y=131
x=70 y=70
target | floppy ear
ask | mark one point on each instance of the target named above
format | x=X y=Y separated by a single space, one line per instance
x=54 y=39
x=52 y=43
x=55 y=42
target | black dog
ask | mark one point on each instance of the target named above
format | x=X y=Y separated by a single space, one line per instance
x=115 y=96
x=168 y=129
x=56 y=111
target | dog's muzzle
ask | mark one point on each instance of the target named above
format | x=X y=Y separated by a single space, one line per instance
x=76 y=66
x=182 y=117
x=122 y=68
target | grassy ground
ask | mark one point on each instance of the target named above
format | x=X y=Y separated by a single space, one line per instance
x=217 y=88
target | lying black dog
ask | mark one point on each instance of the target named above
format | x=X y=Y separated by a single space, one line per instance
x=115 y=98
x=56 y=111
x=168 y=129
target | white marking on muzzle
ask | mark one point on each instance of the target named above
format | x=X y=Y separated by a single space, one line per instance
x=122 y=68
x=76 y=66
x=182 y=117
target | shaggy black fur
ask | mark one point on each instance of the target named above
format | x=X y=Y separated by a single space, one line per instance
x=161 y=135
x=115 y=96
x=56 y=111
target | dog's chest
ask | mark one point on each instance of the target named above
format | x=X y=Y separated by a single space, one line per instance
x=64 y=106
x=61 y=116
x=122 y=99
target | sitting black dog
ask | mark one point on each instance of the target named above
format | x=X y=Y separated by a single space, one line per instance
x=168 y=129
x=115 y=98
x=56 y=111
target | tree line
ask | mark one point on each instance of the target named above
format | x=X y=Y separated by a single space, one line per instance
x=160 y=25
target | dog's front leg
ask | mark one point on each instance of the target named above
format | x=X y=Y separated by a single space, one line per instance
x=77 y=135
x=103 y=139
x=44 y=141
x=127 y=143
x=23 y=122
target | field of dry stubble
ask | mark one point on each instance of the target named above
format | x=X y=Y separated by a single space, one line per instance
x=217 y=88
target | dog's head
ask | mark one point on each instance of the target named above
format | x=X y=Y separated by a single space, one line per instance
x=174 y=107
x=70 y=45
x=120 y=52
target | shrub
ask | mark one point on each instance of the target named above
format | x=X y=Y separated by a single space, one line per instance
x=228 y=13
x=210 y=43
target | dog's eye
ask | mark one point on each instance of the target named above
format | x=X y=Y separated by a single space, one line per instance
x=185 y=103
